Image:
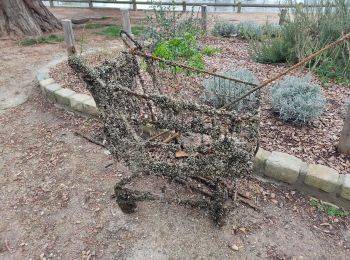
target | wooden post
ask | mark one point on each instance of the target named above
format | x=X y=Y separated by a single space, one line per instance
x=51 y=3
x=204 y=18
x=69 y=36
x=126 y=20
x=344 y=140
x=239 y=7
x=183 y=6
x=283 y=16
x=134 y=6
x=91 y=4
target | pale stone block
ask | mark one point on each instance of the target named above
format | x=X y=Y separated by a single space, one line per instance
x=260 y=161
x=50 y=90
x=90 y=107
x=62 y=96
x=77 y=101
x=43 y=83
x=345 y=189
x=322 y=177
x=283 y=167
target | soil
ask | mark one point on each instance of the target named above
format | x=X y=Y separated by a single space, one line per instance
x=56 y=192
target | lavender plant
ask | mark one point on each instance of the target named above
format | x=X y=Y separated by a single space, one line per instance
x=219 y=92
x=297 y=99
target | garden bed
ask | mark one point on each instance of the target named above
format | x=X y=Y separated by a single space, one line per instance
x=314 y=143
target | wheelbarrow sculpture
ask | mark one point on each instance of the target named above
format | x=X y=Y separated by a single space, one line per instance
x=196 y=145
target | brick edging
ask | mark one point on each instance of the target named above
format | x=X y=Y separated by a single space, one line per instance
x=292 y=170
x=65 y=97
x=276 y=165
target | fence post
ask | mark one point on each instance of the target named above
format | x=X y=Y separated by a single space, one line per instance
x=91 y=4
x=283 y=16
x=183 y=6
x=69 y=36
x=134 y=6
x=126 y=20
x=239 y=7
x=204 y=18
x=51 y=3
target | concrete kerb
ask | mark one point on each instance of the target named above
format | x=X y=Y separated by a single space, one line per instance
x=319 y=180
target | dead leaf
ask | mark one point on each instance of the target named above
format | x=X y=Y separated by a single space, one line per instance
x=181 y=154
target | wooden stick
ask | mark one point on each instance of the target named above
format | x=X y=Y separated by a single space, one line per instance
x=69 y=36
x=89 y=139
x=126 y=20
x=170 y=138
x=158 y=135
x=302 y=62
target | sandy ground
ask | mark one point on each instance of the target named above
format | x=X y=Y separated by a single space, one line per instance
x=55 y=193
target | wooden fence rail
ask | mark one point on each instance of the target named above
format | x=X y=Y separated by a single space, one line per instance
x=184 y=4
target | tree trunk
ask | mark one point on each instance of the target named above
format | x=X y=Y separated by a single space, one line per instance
x=26 y=17
x=344 y=141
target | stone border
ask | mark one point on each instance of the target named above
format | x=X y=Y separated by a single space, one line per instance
x=315 y=178
x=320 y=180
x=65 y=97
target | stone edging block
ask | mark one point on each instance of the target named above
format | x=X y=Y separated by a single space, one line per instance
x=345 y=189
x=65 y=96
x=322 y=177
x=283 y=167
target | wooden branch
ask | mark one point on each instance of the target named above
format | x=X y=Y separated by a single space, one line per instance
x=158 y=135
x=170 y=138
x=89 y=139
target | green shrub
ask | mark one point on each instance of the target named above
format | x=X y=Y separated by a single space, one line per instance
x=166 y=23
x=250 y=30
x=51 y=38
x=272 y=30
x=185 y=48
x=219 y=92
x=297 y=99
x=309 y=29
x=210 y=51
x=225 y=29
x=270 y=50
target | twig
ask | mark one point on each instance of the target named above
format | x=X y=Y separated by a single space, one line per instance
x=89 y=139
x=248 y=203
x=158 y=135
x=170 y=138
x=110 y=164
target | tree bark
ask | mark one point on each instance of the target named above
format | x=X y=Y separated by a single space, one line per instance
x=26 y=17
x=344 y=141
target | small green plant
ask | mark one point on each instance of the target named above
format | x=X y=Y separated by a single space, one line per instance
x=183 y=48
x=297 y=99
x=328 y=209
x=219 y=92
x=51 y=38
x=210 y=51
x=225 y=29
x=113 y=31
